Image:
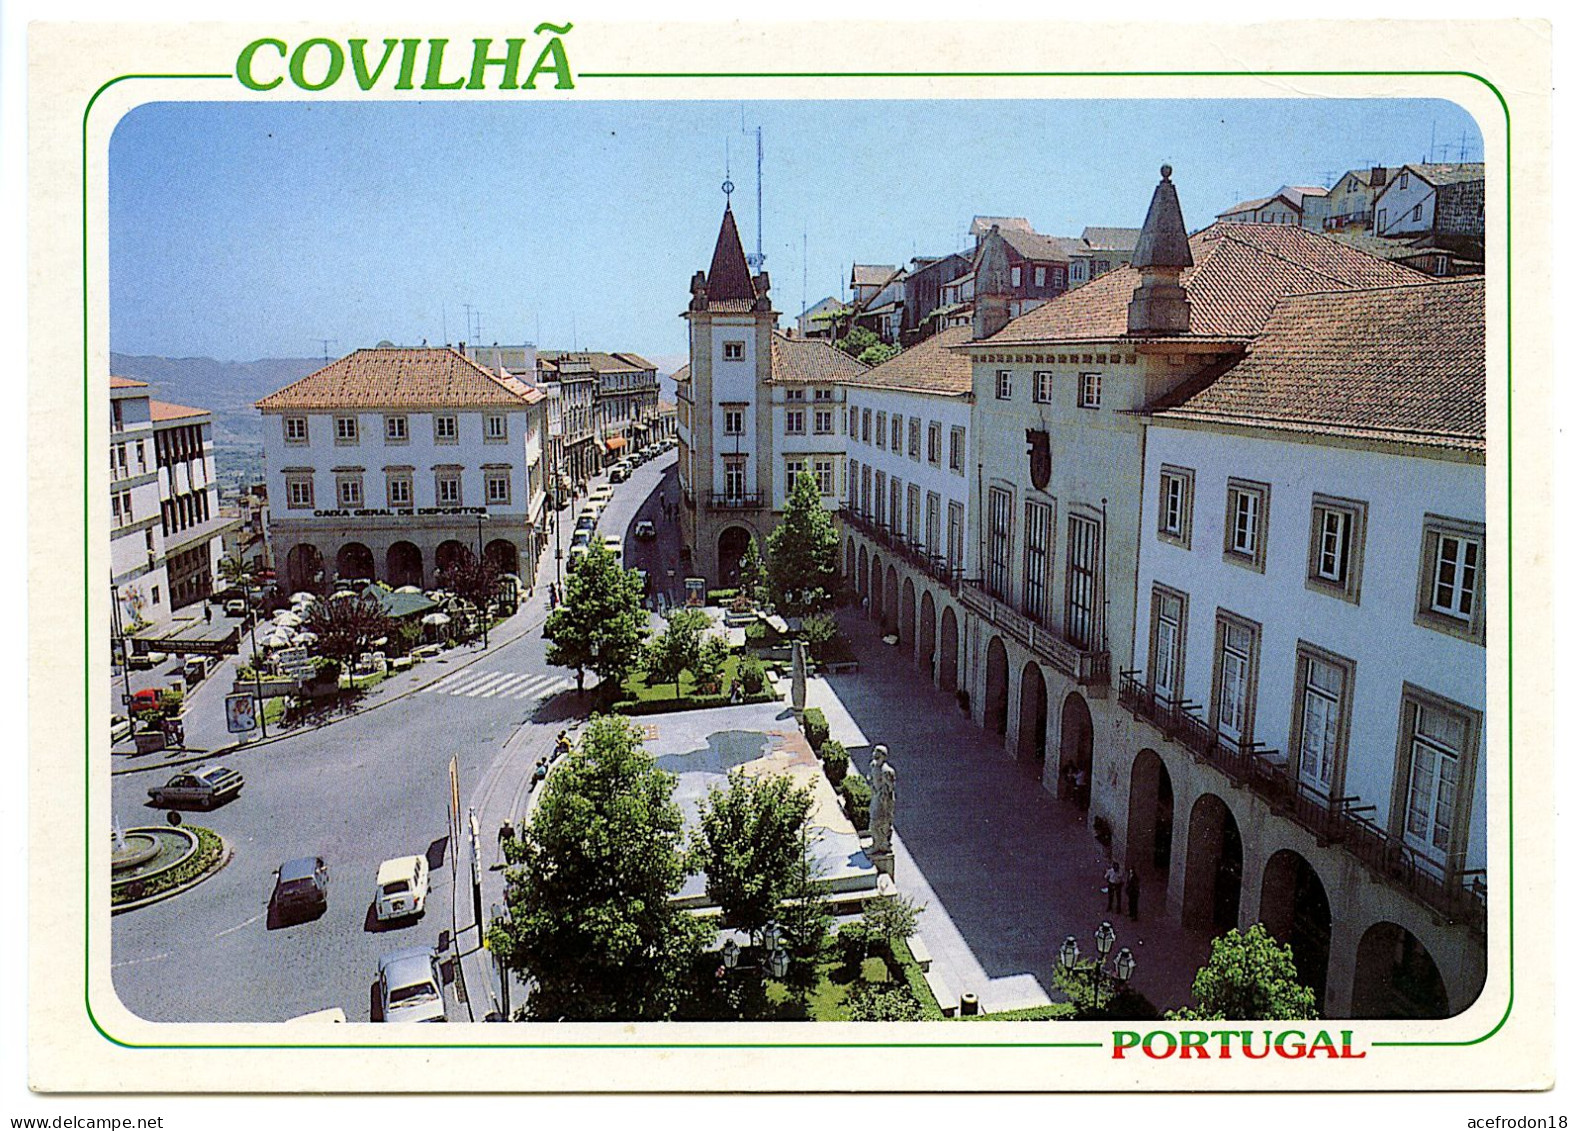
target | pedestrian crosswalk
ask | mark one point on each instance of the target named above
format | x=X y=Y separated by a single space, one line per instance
x=473 y=684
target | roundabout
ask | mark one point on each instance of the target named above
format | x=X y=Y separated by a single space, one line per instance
x=154 y=862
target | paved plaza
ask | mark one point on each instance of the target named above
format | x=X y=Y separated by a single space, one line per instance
x=1005 y=870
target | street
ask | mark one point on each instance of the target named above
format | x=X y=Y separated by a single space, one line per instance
x=369 y=787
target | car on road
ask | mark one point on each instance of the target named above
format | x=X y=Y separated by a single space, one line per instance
x=620 y=473
x=600 y=496
x=586 y=517
x=645 y=530
x=576 y=554
x=301 y=886
x=148 y=699
x=582 y=538
x=402 y=888
x=202 y=788
x=615 y=545
x=236 y=607
x=410 y=986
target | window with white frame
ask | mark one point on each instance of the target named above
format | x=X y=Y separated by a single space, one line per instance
x=1244 y=541
x=896 y=503
x=733 y=351
x=447 y=488
x=395 y=430
x=398 y=489
x=821 y=394
x=1005 y=384
x=1080 y=603
x=865 y=425
x=1175 y=505
x=1038 y=531
x=915 y=438
x=495 y=428
x=882 y=429
x=1041 y=276
x=933 y=523
x=734 y=477
x=295 y=429
x=934 y=444
x=793 y=469
x=446 y=429
x=1168 y=610
x=912 y=513
x=999 y=543
x=733 y=421
x=1336 y=546
x=794 y=394
x=794 y=422
x=1014 y=276
x=1041 y=388
x=497 y=486
x=1320 y=718
x=822 y=468
x=822 y=421
x=1437 y=750
x=1090 y=390
x=1452 y=578
x=1237 y=657
x=349 y=489
x=854 y=485
x=955 y=535
x=345 y=430
x=865 y=491
x=298 y=492
x=956 y=450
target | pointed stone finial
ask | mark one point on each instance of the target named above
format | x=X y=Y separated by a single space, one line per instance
x=1167 y=172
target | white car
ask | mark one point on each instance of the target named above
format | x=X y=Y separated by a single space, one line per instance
x=615 y=545
x=402 y=888
x=410 y=986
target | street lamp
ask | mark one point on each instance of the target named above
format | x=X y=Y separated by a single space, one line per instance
x=481 y=517
x=1123 y=966
x=1068 y=954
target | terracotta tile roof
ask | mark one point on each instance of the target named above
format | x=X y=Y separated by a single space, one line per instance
x=164 y=410
x=1400 y=364
x=599 y=362
x=1239 y=273
x=811 y=360
x=983 y=224
x=1033 y=245
x=1111 y=239
x=929 y=366
x=682 y=373
x=126 y=383
x=729 y=277
x=1441 y=173
x=402 y=377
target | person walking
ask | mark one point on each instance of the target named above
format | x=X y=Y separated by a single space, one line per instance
x=208 y=613
x=506 y=834
x=1114 y=888
x=1132 y=887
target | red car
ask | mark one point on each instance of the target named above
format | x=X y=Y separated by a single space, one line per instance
x=145 y=700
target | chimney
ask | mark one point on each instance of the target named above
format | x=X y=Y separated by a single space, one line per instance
x=1378 y=176
x=991 y=287
x=1160 y=305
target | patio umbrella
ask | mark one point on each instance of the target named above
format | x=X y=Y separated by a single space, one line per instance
x=335 y=596
x=409 y=589
x=287 y=619
x=437 y=620
x=306 y=638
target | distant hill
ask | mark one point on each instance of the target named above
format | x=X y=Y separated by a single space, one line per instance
x=225 y=388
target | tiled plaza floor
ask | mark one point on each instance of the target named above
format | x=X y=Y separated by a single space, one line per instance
x=1005 y=869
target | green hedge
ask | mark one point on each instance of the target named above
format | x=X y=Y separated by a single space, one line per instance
x=688 y=703
x=816 y=729
x=1057 y=1011
x=915 y=978
x=209 y=850
x=835 y=760
x=858 y=794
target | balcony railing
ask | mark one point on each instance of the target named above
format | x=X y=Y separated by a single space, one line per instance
x=1086 y=666
x=1456 y=892
x=938 y=566
x=728 y=502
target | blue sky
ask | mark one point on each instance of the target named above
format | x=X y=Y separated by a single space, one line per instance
x=246 y=230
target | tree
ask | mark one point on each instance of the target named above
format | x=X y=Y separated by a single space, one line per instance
x=710 y=662
x=600 y=624
x=891 y=919
x=473 y=579
x=590 y=919
x=750 y=845
x=236 y=573
x=1250 y=977
x=347 y=626
x=753 y=573
x=802 y=552
x=677 y=648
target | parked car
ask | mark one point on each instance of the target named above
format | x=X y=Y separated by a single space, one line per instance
x=645 y=530
x=615 y=545
x=402 y=888
x=236 y=607
x=586 y=517
x=576 y=554
x=620 y=473
x=582 y=538
x=202 y=788
x=410 y=986
x=301 y=885
x=600 y=496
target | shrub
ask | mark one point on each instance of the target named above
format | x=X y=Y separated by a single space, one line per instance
x=818 y=631
x=858 y=794
x=756 y=633
x=851 y=942
x=894 y=1002
x=835 y=760
x=753 y=675
x=816 y=729
x=721 y=596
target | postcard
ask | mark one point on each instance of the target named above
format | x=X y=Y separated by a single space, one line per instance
x=789 y=557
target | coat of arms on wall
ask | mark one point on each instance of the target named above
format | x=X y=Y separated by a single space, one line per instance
x=1040 y=456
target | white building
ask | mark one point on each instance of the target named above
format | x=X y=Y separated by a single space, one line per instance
x=1432 y=199
x=393 y=464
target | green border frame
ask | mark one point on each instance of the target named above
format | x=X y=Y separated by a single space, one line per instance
x=87 y=392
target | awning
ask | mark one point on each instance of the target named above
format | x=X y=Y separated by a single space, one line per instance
x=615 y=443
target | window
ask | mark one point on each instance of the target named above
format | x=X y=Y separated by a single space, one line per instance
x=794 y=394
x=295 y=429
x=1336 y=546
x=395 y=430
x=497 y=485
x=1041 y=276
x=495 y=428
x=1084 y=552
x=298 y=492
x=915 y=435
x=794 y=422
x=1041 y=386
x=447 y=488
x=865 y=491
x=1175 y=505
x=1452 y=578
x=955 y=535
x=1322 y=703
x=865 y=425
x=912 y=514
x=822 y=394
x=733 y=421
x=733 y=351
x=1090 y=390
x=349 y=489
x=142 y=456
x=934 y=444
x=1438 y=744
x=822 y=421
x=446 y=430
x=956 y=450
x=398 y=489
x=933 y=523
x=1380 y=221
x=793 y=469
x=1005 y=384
x=1402 y=179
x=734 y=478
x=1245 y=540
x=345 y=430
x=824 y=475
x=1038 y=523
x=1014 y=275
x=1418 y=211
x=1237 y=670
x=882 y=429
x=1168 y=612
x=896 y=504
x=1000 y=526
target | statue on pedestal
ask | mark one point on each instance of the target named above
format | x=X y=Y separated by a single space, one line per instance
x=883 y=794
x=797 y=678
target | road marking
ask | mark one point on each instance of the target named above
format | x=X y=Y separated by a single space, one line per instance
x=138 y=961
x=476 y=686
x=508 y=685
x=238 y=926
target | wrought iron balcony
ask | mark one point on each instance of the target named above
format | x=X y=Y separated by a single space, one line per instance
x=1456 y=892
x=728 y=502
x=917 y=554
x=1086 y=666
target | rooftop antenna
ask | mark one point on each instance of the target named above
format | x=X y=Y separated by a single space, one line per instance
x=326 y=343
x=755 y=261
x=803 y=293
x=467 y=336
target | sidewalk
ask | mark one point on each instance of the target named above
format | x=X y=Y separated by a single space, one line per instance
x=1005 y=870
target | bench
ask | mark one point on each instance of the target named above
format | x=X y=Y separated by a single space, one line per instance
x=947 y=1000
x=920 y=952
